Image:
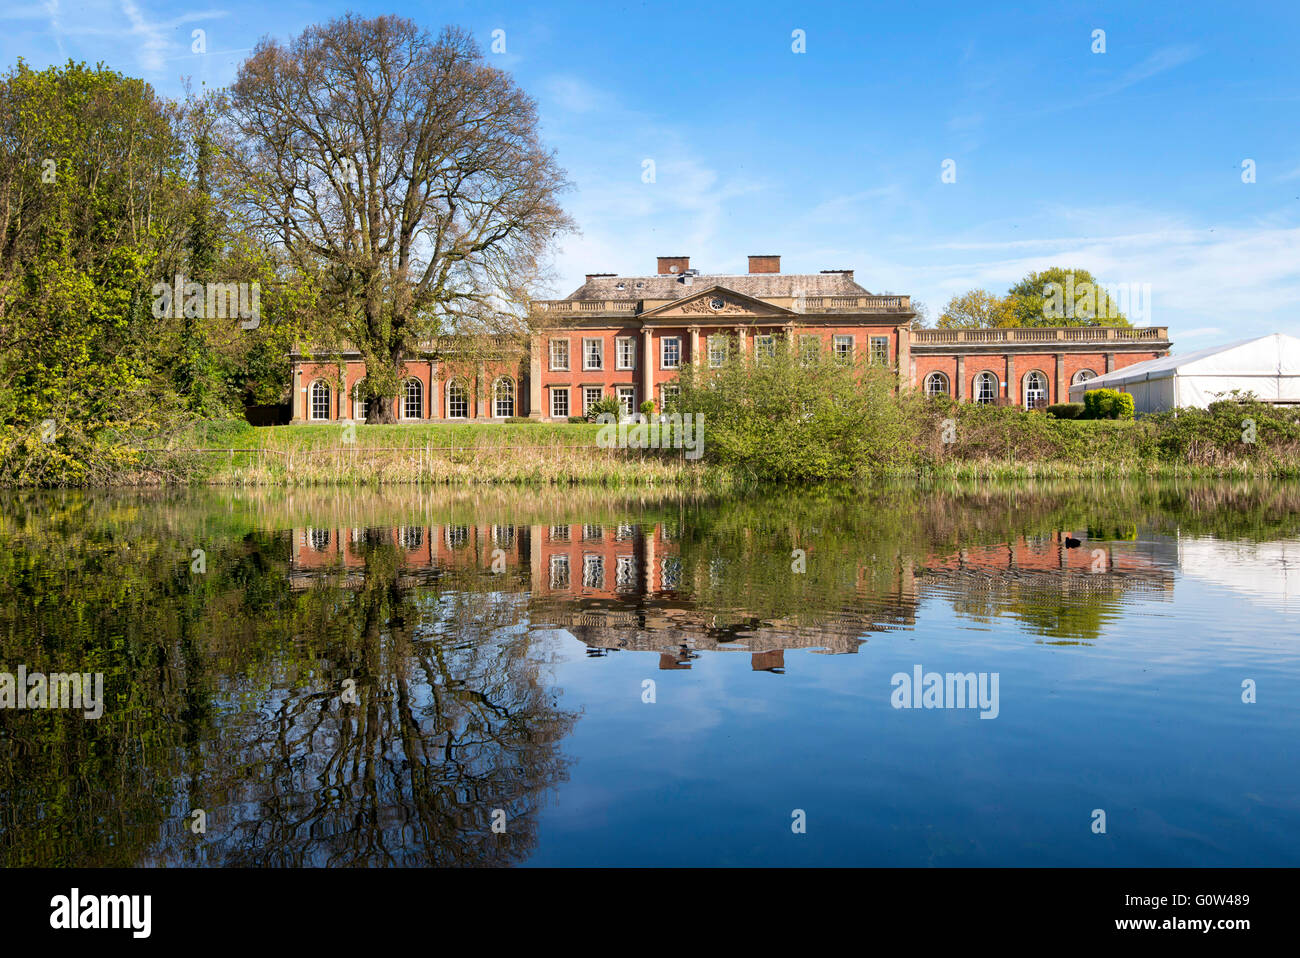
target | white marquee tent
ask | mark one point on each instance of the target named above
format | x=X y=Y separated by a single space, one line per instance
x=1268 y=366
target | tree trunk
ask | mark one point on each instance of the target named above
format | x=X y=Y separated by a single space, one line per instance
x=381 y=410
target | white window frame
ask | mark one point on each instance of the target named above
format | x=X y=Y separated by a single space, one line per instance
x=311 y=400
x=979 y=378
x=587 y=401
x=588 y=354
x=718 y=342
x=406 y=398
x=556 y=393
x=360 y=405
x=1076 y=380
x=629 y=408
x=1025 y=389
x=881 y=343
x=943 y=378
x=556 y=366
x=807 y=340
x=625 y=352
x=765 y=346
x=498 y=399
x=560 y=574
x=456 y=393
x=842 y=339
x=593 y=571
x=676 y=342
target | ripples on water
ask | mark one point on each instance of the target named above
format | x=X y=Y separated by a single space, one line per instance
x=383 y=678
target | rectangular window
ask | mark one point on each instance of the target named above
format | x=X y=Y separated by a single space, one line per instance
x=670 y=572
x=670 y=395
x=559 y=404
x=670 y=352
x=718 y=348
x=560 y=354
x=625 y=353
x=627 y=399
x=593 y=354
x=593 y=533
x=593 y=572
x=765 y=346
x=559 y=571
x=808 y=348
x=559 y=533
x=880 y=350
x=843 y=346
x=625 y=573
x=457 y=402
x=590 y=396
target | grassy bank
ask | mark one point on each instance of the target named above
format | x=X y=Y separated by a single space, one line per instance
x=435 y=453
x=986 y=445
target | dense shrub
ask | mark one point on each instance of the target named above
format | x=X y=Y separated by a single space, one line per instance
x=648 y=407
x=787 y=417
x=607 y=406
x=1066 y=410
x=576 y=419
x=1107 y=404
x=1241 y=428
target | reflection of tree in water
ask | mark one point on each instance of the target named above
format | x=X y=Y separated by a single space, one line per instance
x=453 y=720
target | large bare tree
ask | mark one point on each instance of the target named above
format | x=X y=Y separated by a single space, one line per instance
x=404 y=176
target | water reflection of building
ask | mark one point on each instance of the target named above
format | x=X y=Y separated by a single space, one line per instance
x=624 y=586
x=1047 y=561
x=613 y=587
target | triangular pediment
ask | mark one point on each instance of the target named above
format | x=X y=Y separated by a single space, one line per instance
x=717 y=301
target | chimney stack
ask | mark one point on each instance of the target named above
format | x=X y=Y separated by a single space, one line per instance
x=765 y=264
x=673 y=264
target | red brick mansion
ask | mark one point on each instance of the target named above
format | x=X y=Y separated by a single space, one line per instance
x=627 y=336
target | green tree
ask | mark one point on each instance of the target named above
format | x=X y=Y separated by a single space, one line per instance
x=977 y=309
x=1063 y=297
x=405 y=175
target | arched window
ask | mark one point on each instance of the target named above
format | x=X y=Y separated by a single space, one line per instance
x=457 y=401
x=412 y=399
x=986 y=387
x=360 y=405
x=1082 y=376
x=1035 y=389
x=320 y=399
x=503 y=395
x=936 y=384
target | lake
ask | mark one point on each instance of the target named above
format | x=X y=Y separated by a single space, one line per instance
x=1086 y=674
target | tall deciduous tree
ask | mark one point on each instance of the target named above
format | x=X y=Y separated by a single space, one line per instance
x=977 y=309
x=405 y=175
x=1059 y=296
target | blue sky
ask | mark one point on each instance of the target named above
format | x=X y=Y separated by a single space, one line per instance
x=1127 y=163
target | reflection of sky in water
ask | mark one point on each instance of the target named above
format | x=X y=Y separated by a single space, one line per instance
x=1265 y=572
x=1120 y=664
x=1144 y=720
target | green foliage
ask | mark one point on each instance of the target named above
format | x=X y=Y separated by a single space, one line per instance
x=1240 y=428
x=648 y=407
x=108 y=191
x=1066 y=410
x=797 y=418
x=1107 y=404
x=608 y=406
x=1044 y=299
